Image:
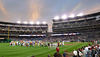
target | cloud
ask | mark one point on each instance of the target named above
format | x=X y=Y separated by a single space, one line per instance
x=35 y=9
x=2 y=9
x=77 y=7
x=93 y=9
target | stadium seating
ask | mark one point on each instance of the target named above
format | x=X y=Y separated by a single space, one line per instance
x=88 y=27
x=21 y=31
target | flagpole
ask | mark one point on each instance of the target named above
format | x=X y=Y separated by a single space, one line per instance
x=8 y=33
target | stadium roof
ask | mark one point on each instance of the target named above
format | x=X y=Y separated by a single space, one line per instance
x=84 y=16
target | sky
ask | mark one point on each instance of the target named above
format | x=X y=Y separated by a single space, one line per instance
x=44 y=10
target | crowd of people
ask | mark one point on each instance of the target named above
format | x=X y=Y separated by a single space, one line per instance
x=20 y=28
x=36 y=44
x=80 y=23
x=86 y=51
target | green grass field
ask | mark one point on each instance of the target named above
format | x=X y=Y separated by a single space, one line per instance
x=18 y=51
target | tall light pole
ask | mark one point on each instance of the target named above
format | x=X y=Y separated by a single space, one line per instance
x=8 y=33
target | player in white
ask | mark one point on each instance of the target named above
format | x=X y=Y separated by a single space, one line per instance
x=33 y=43
x=50 y=45
x=63 y=43
x=55 y=45
x=23 y=43
x=60 y=43
x=38 y=44
x=17 y=42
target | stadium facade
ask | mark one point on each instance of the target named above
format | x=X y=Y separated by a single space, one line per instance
x=21 y=30
x=86 y=27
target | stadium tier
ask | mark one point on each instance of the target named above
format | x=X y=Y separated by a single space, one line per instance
x=20 y=30
x=85 y=27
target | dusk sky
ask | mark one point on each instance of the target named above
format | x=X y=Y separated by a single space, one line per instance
x=44 y=10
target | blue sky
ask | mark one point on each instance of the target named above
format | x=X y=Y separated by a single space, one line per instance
x=44 y=10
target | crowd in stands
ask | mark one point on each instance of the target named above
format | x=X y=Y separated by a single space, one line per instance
x=90 y=35
x=23 y=28
x=69 y=38
x=28 y=39
x=86 y=22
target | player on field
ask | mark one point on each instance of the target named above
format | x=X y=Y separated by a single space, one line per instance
x=48 y=45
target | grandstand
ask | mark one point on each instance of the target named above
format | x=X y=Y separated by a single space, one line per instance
x=21 y=31
x=28 y=40
x=84 y=28
x=79 y=28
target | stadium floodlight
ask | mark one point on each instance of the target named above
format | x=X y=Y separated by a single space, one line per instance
x=44 y=22
x=81 y=14
x=25 y=22
x=72 y=16
x=31 y=22
x=56 y=17
x=37 y=22
x=64 y=17
x=18 y=22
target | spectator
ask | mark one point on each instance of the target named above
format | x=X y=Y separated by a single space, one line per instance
x=67 y=54
x=83 y=51
x=57 y=49
x=64 y=54
x=74 y=53
x=33 y=56
x=86 y=49
x=48 y=55
x=89 y=53
x=98 y=51
x=57 y=54
x=93 y=52
x=79 y=53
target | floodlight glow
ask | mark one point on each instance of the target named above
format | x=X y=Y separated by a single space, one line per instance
x=71 y=16
x=56 y=17
x=37 y=22
x=25 y=22
x=81 y=14
x=31 y=22
x=44 y=22
x=18 y=22
x=64 y=17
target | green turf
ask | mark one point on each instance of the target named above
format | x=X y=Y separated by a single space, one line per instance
x=18 y=51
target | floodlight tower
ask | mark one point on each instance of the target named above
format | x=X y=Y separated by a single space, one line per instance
x=18 y=22
x=81 y=14
x=72 y=16
x=44 y=22
x=64 y=17
x=25 y=22
x=56 y=17
x=31 y=22
x=37 y=22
